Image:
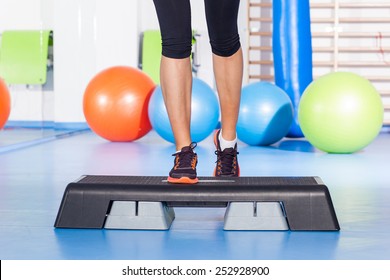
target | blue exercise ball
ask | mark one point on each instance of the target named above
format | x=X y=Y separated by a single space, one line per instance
x=204 y=112
x=266 y=114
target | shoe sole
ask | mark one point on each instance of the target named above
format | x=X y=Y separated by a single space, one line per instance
x=216 y=146
x=182 y=180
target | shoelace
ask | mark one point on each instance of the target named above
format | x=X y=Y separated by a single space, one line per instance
x=226 y=157
x=186 y=156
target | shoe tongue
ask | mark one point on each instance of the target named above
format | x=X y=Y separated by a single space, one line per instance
x=186 y=149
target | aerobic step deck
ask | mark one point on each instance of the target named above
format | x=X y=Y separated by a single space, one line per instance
x=145 y=202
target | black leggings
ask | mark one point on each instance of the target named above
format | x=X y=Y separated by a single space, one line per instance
x=174 y=17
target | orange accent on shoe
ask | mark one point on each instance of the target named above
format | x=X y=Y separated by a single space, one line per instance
x=194 y=162
x=182 y=180
x=176 y=163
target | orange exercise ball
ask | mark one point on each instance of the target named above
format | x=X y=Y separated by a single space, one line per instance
x=5 y=103
x=116 y=101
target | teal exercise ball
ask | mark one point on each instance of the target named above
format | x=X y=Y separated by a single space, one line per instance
x=265 y=115
x=340 y=112
x=204 y=112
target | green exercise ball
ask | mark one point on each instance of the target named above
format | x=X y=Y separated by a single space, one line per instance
x=340 y=112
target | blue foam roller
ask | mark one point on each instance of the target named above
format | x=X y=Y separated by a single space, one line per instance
x=292 y=51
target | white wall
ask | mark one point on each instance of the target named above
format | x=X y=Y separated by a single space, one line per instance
x=88 y=37
x=20 y=14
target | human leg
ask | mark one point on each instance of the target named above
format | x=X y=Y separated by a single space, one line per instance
x=175 y=69
x=176 y=83
x=228 y=70
x=228 y=76
x=227 y=60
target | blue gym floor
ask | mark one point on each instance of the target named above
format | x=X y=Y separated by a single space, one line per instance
x=36 y=165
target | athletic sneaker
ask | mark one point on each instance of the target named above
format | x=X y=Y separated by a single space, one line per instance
x=227 y=164
x=184 y=169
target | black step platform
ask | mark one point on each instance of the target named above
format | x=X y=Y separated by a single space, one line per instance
x=305 y=201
